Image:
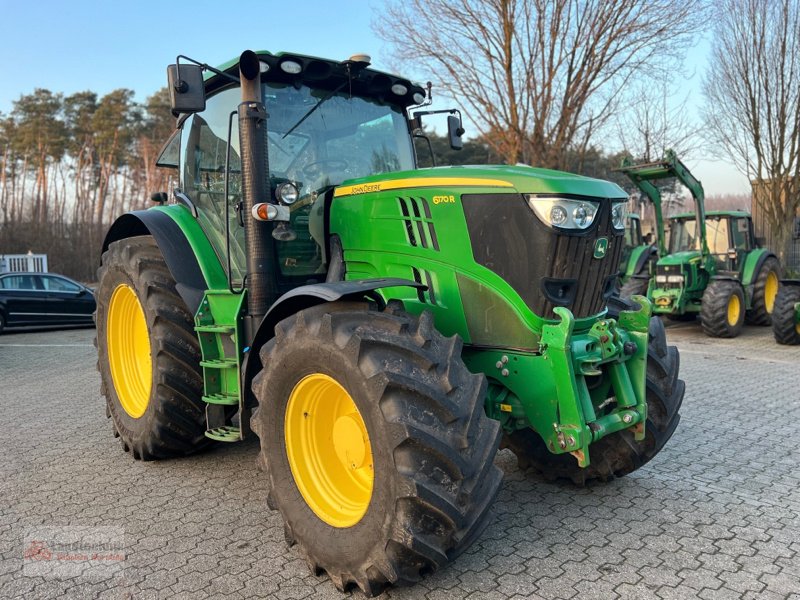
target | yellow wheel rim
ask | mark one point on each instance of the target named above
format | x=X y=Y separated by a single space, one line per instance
x=770 y=291
x=328 y=450
x=734 y=309
x=128 y=347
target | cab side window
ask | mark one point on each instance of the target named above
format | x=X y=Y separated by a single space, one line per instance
x=204 y=145
x=741 y=234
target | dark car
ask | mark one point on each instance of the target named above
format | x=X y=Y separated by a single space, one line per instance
x=43 y=299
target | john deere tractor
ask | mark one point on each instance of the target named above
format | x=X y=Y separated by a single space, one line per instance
x=380 y=328
x=786 y=313
x=713 y=266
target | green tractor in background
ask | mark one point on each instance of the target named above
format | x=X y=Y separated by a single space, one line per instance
x=713 y=266
x=786 y=313
x=638 y=259
x=380 y=328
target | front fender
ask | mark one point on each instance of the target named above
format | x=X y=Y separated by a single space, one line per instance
x=307 y=296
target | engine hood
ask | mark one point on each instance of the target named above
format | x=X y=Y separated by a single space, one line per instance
x=521 y=179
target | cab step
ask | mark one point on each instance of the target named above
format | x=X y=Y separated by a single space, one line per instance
x=224 y=399
x=227 y=433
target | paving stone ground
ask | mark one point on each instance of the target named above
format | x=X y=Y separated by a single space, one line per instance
x=716 y=515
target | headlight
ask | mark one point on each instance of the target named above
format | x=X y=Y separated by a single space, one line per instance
x=661 y=279
x=564 y=212
x=674 y=278
x=618 y=216
x=287 y=193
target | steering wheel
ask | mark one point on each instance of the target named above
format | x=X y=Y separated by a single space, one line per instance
x=312 y=168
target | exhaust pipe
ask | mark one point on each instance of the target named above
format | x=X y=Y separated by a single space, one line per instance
x=261 y=281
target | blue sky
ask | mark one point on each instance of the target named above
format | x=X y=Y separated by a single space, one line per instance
x=71 y=46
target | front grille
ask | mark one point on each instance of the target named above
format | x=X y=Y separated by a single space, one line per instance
x=545 y=267
x=663 y=271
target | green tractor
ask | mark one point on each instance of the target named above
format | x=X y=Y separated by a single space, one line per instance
x=638 y=259
x=786 y=313
x=713 y=266
x=380 y=328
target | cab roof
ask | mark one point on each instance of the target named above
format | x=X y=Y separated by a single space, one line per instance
x=713 y=213
x=324 y=73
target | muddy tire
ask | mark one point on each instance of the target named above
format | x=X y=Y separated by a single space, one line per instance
x=635 y=286
x=784 y=326
x=722 y=309
x=765 y=289
x=423 y=448
x=148 y=354
x=618 y=454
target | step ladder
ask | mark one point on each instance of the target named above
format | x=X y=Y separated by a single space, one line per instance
x=218 y=324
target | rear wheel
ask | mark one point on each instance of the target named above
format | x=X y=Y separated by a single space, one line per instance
x=765 y=289
x=722 y=309
x=617 y=454
x=635 y=286
x=148 y=354
x=373 y=436
x=785 y=326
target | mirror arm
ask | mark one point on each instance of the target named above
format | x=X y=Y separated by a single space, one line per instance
x=180 y=85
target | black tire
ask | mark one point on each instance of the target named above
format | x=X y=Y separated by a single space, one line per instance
x=2 y=322
x=684 y=318
x=764 y=295
x=784 y=326
x=634 y=286
x=432 y=445
x=618 y=454
x=718 y=316
x=173 y=423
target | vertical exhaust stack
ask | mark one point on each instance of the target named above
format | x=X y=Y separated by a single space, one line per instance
x=261 y=283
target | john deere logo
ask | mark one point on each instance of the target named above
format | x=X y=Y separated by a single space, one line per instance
x=600 y=247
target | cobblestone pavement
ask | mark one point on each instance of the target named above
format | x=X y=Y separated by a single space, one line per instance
x=715 y=515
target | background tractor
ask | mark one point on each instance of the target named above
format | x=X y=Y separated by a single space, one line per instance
x=638 y=258
x=786 y=313
x=379 y=327
x=713 y=266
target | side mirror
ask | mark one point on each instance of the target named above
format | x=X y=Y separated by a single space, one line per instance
x=187 y=93
x=454 y=132
x=732 y=254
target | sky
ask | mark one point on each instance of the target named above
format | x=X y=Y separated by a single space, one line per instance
x=76 y=45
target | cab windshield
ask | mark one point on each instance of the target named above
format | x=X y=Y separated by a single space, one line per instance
x=684 y=236
x=343 y=138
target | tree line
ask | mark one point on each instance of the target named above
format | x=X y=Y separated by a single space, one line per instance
x=70 y=164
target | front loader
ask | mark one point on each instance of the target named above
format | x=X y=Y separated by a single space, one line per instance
x=381 y=328
x=713 y=266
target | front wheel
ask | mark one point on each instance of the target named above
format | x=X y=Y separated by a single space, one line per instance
x=373 y=436
x=617 y=454
x=722 y=309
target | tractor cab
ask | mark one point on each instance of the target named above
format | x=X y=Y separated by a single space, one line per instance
x=729 y=237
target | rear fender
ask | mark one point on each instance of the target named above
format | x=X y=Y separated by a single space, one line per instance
x=189 y=256
x=752 y=265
